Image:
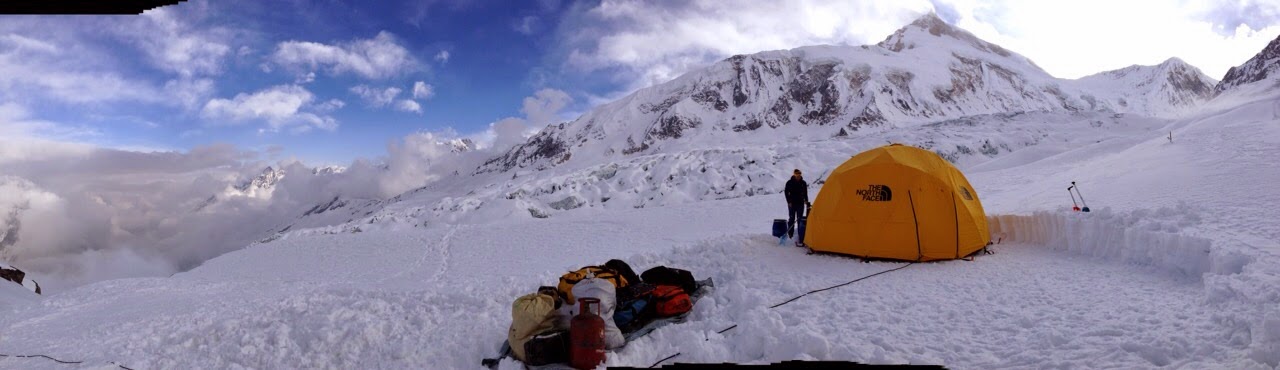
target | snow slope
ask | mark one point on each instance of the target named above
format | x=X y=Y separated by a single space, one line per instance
x=1135 y=293
x=441 y=295
x=1177 y=267
x=14 y=294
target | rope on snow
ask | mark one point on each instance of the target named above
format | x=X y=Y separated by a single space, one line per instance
x=59 y=361
x=843 y=284
x=798 y=297
x=660 y=361
x=34 y=356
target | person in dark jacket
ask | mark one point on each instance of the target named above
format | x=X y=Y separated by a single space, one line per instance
x=797 y=192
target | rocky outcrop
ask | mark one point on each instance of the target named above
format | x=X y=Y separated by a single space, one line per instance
x=1259 y=68
x=545 y=147
x=267 y=179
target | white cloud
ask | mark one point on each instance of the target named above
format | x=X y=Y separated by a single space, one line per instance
x=74 y=206
x=284 y=106
x=1228 y=15
x=423 y=91
x=189 y=93
x=112 y=59
x=175 y=46
x=331 y=105
x=376 y=97
x=25 y=74
x=549 y=5
x=443 y=56
x=1080 y=38
x=543 y=108
x=22 y=42
x=653 y=42
x=303 y=79
x=526 y=25
x=187 y=134
x=23 y=137
x=406 y=105
x=86 y=213
x=377 y=58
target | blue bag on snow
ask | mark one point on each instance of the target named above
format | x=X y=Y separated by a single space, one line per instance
x=630 y=313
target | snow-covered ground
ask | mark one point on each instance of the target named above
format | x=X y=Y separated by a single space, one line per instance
x=1176 y=267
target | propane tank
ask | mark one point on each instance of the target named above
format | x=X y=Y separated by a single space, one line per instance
x=586 y=336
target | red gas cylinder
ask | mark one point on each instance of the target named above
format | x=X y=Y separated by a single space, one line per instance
x=586 y=336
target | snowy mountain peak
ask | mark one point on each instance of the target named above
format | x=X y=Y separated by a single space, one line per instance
x=1258 y=68
x=1168 y=89
x=267 y=179
x=1174 y=61
x=928 y=26
x=328 y=170
x=461 y=145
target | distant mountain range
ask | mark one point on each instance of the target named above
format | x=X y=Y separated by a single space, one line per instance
x=925 y=72
x=714 y=133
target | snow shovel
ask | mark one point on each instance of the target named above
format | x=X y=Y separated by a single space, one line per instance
x=802 y=224
x=1074 y=206
x=1086 y=204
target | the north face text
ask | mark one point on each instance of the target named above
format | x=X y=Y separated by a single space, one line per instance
x=876 y=193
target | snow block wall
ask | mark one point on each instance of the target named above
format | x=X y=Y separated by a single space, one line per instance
x=1103 y=234
x=1244 y=288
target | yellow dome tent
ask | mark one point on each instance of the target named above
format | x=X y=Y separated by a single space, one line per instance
x=897 y=202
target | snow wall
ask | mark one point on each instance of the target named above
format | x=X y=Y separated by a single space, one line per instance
x=1247 y=293
x=1103 y=234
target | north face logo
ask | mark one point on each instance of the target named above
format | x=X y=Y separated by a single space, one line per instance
x=876 y=193
x=964 y=192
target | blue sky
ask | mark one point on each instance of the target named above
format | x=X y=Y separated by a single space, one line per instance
x=470 y=61
x=327 y=81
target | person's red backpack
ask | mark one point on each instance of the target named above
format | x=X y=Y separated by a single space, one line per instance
x=670 y=300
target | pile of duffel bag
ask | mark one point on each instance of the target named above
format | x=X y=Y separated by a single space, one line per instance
x=539 y=333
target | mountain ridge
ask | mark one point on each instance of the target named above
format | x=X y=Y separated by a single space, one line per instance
x=1258 y=68
x=925 y=72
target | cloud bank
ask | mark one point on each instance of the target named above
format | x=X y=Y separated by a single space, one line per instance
x=73 y=213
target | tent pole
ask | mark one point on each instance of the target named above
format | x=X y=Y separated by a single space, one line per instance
x=955 y=208
x=919 y=250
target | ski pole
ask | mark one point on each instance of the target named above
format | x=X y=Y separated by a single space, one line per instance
x=1082 y=201
x=1074 y=206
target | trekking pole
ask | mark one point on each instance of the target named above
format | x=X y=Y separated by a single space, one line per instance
x=1086 y=204
x=1074 y=205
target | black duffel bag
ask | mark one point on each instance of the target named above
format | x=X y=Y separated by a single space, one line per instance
x=663 y=275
